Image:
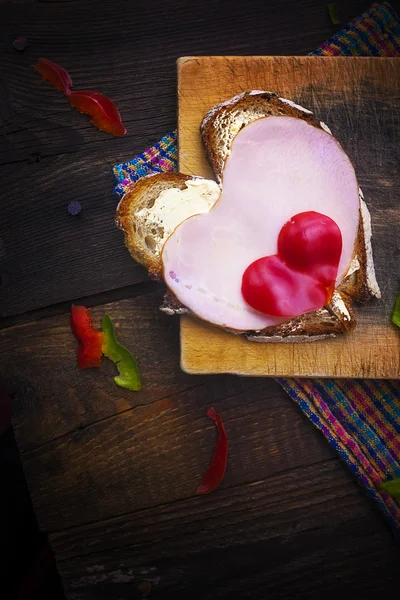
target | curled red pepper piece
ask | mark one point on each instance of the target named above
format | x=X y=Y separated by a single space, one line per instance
x=104 y=113
x=54 y=74
x=90 y=340
x=216 y=470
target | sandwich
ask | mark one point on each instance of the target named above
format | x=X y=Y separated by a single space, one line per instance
x=278 y=247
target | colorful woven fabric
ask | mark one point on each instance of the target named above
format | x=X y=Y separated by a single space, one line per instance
x=359 y=418
x=375 y=33
x=161 y=157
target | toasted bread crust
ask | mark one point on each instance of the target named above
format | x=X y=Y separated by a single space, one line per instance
x=143 y=194
x=223 y=122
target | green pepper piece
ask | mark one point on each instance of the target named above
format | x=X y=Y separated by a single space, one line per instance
x=391 y=487
x=396 y=312
x=129 y=376
x=333 y=13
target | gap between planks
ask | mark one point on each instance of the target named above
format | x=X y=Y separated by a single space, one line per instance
x=257 y=383
x=53 y=310
x=75 y=528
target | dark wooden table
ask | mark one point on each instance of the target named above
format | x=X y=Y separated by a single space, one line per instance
x=112 y=474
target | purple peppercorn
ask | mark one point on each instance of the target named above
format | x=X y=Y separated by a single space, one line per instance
x=74 y=207
x=20 y=43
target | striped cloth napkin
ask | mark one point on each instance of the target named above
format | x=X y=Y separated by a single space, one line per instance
x=359 y=418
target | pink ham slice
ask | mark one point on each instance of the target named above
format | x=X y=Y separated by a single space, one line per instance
x=278 y=167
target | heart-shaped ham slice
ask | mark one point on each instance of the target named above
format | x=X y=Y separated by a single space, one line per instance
x=278 y=167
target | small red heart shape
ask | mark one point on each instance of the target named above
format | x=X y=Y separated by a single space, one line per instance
x=300 y=278
x=311 y=243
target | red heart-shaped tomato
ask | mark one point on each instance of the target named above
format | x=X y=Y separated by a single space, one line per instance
x=311 y=243
x=301 y=277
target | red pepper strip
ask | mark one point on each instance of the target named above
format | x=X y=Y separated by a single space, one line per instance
x=104 y=113
x=90 y=340
x=54 y=74
x=216 y=470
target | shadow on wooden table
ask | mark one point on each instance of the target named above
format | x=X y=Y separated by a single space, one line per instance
x=29 y=570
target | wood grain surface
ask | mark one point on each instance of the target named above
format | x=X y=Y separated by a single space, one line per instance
x=358 y=98
x=228 y=548
x=112 y=474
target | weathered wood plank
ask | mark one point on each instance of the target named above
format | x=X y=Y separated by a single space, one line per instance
x=46 y=255
x=158 y=453
x=57 y=256
x=275 y=570
x=257 y=540
x=285 y=503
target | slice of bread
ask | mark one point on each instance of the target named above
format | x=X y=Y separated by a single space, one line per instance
x=143 y=244
x=219 y=128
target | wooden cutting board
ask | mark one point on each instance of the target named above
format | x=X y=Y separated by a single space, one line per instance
x=359 y=98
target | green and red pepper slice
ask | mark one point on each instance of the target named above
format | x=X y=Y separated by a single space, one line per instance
x=93 y=344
